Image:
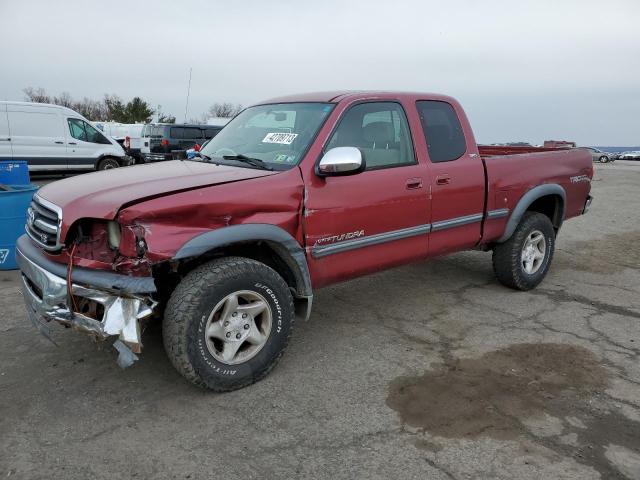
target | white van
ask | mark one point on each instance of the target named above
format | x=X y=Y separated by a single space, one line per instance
x=51 y=137
x=128 y=135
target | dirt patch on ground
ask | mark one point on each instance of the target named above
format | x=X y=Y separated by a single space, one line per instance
x=504 y=392
x=489 y=394
x=609 y=254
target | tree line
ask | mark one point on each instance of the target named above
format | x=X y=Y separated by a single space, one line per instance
x=113 y=109
x=219 y=110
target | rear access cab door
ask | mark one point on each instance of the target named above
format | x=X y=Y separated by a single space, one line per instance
x=457 y=176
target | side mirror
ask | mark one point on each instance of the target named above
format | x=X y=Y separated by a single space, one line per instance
x=341 y=161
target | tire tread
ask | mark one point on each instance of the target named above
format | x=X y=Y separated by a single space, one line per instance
x=506 y=256
x=183 y=305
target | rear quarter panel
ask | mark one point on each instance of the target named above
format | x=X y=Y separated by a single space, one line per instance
x=509 y=177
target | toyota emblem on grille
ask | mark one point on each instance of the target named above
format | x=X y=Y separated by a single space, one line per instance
x=43 y=237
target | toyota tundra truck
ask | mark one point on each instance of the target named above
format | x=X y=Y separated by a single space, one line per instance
x=294 y=194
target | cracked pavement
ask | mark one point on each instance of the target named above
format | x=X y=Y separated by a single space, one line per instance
x=355 y=395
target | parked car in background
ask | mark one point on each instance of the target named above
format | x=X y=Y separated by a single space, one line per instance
x=218 y=121
x=160 y=140
x=51 y=137
x=630 y=155
x=128 y=135
x=598 y=155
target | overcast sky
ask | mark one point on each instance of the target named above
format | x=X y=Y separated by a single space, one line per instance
x=524 y=70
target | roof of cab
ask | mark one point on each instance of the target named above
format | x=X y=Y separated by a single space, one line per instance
x=336 y=96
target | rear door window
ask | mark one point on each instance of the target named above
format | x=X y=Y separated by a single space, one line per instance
x=157 y=132
x=442 y=130
x=211 y=132
x=176 y=132
x=191 y=133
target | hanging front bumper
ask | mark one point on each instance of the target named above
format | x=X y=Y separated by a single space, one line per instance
x=111 y=304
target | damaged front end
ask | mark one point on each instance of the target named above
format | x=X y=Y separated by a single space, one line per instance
x=100 y=303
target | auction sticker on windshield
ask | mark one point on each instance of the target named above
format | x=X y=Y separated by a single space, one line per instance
x=282 y=138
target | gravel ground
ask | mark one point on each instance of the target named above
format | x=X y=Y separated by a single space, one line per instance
x=430 y=371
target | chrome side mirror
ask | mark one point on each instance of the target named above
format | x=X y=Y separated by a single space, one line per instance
x=341 y=161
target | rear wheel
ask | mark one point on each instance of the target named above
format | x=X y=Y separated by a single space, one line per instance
x=108 y=163
x=603 y=159
x=228 y=323
x=522 y=261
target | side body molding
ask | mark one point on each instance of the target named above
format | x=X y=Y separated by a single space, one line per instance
x=527 y=199
x=282 y=243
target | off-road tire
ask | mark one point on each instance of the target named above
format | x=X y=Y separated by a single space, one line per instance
x=507 y=261
x=107 y=163
x=192 y=302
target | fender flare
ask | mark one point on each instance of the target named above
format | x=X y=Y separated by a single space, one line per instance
x=280 y=240
x=525 y=202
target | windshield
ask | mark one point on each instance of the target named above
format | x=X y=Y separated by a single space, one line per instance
x=277 y=134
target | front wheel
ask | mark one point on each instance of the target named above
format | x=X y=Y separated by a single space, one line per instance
x=228 y=323
x=522 y=261
x=604 y=159
x=108 y=163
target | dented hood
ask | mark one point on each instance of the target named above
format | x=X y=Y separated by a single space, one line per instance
x=102 y=194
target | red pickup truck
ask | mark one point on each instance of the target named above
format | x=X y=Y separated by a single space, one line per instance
x=293 y=194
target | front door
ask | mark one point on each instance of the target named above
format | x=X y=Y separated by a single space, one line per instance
x=83 y=141
x=375 y=219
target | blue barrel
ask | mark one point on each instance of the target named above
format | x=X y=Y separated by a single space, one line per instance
x=13 y=216
x=14 y=172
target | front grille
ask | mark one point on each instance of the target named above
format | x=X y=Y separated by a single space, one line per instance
x=43 y=223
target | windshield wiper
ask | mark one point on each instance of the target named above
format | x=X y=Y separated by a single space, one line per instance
x=256 y=162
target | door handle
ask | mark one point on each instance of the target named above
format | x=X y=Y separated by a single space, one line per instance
x=443 y=180
x=59 y=142
x=414 y=183
x=72 y=143
x=5 y=139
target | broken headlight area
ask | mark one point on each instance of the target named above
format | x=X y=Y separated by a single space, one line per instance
x=91 y=240
x=113 y=246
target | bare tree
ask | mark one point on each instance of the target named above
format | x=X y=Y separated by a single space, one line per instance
x=91 y=109
x=64 y=100
x=37 y=95
x=224 y=110
x=202 y=119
